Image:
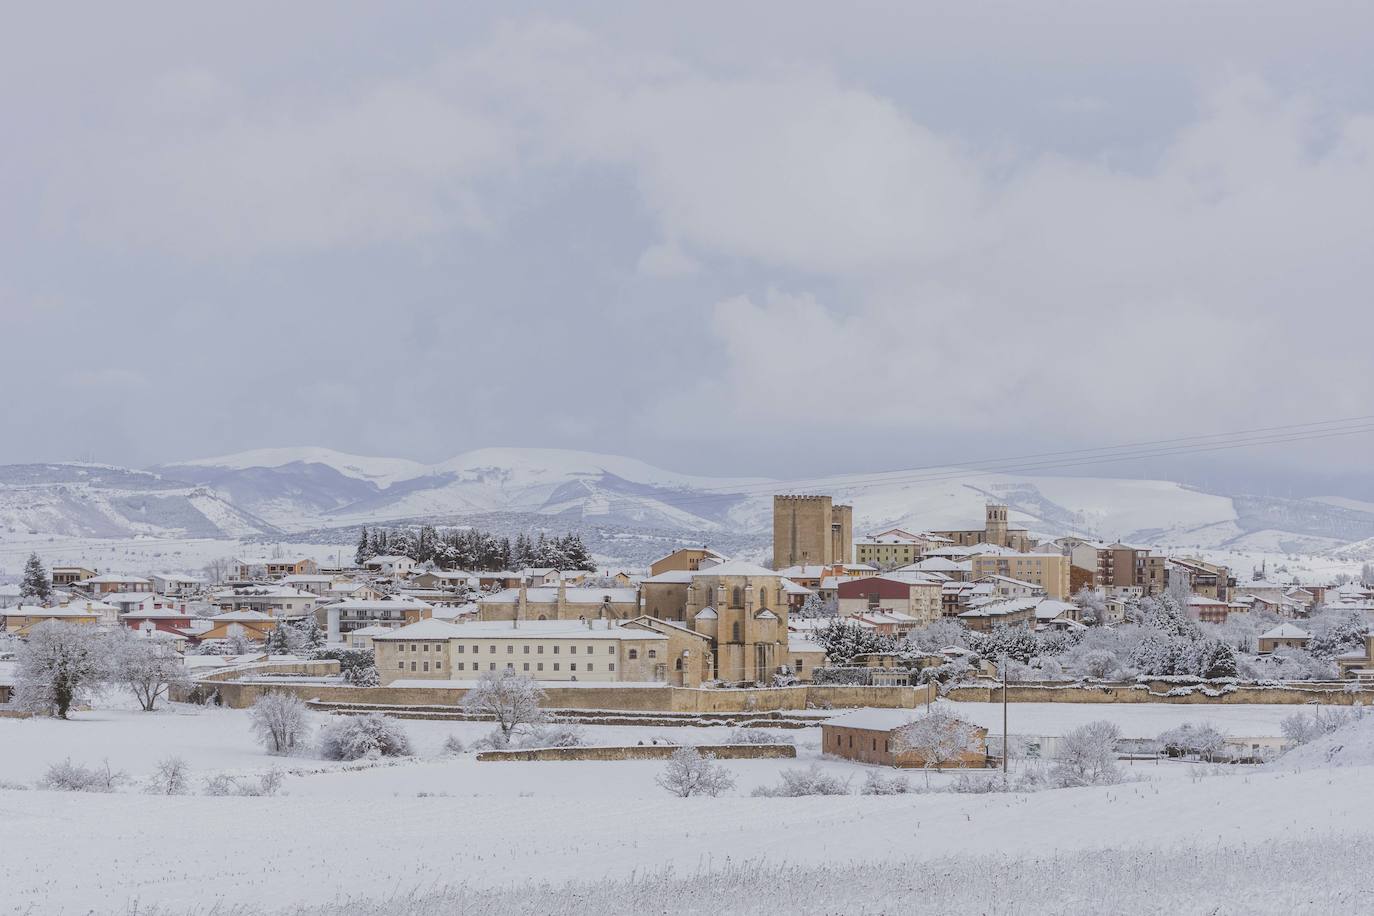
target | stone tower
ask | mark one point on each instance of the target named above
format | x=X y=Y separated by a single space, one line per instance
x=810 y=530
x=995 y=528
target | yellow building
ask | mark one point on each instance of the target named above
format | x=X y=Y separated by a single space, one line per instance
x=811 y=530
x=1050 y=571
x=20 y=620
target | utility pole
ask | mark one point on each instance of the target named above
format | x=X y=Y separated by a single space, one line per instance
x=1004 y=718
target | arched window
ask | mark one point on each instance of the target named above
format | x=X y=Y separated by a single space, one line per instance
x=763 y=597
x=737 y=597
x=734 y=631
x=678 y=665
x=634 y=654
x=653 y=653
x=542 y=617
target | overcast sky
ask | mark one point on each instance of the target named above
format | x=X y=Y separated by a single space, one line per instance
x=775 y=239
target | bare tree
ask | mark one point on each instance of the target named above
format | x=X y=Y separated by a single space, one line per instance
x=937 y=738
x=691 y=773
x=172 y=777
x=59 y=666
x=513 y=699
x=147 y=666
x=280 y=721
x=217 y=570
x=1087 y=756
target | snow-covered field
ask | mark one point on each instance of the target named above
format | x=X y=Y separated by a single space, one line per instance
x=143 y=555
x=371 y=831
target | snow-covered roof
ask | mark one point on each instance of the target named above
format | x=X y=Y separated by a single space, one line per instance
x=706 y=613
x=113 y=579
x=937 y=564
x=800 y=644
x=883 y=720
x=370 y=630
x=525 y=629
x=1286 y=631
x=548 y=594
x=793 y=588
x=241 y=617
x=739 y=568
x=260 y=591
x=33 y=610
x=672 y=576
x=126 y=597
x=399 y=603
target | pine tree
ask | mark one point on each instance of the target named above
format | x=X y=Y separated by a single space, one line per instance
x=277 y=642
x=312 y=637
x=364 y=551
x=37 y=586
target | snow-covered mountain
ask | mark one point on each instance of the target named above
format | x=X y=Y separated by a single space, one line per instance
x=297 y=489
x=81 y=500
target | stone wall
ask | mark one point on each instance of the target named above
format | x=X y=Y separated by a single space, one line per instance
x=1330 y=693
x=643 y=752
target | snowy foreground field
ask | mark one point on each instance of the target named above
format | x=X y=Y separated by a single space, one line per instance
x=445 y=834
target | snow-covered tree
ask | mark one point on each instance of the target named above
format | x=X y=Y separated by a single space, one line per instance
x=37 y=586
x=844 y=639
x=1198 y=739
x=280 y=721
x=938 y=738
x=810 y=781
x=355 y=737
x=816 y=606
x=512 y=699
x=939 y=634
x=1087 y=756
x=278 y=641
x=1092 y=605
x=310 y=632
x=691 y=773
x=147 y=666
x=60 y=665
x=172 y=777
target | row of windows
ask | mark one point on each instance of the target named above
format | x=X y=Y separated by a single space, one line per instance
x=510 y=666
x=510 y=649
x=438 y=665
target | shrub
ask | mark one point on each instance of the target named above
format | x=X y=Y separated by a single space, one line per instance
x=876 y=783
x=556 y=735
x=850 y=676
x=170 y=778
x=268 y=783
x=811 y=781
x=355 y=737
x=691 y=773
x=453 y=745
x=70 y=777
x=752 y=736
x=1087 y=756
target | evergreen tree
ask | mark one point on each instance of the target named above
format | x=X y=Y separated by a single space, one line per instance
x=37 y=586
x=277 y=642
x=311 y=636
x=364 y=551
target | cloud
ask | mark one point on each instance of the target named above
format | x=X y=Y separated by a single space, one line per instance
x=666 y=260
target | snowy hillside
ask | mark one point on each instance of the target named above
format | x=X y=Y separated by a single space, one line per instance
x=107 y=502
x=300 y=489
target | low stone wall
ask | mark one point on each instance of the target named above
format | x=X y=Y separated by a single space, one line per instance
x=238 y=694
x=1329 y=693
x=643 y=752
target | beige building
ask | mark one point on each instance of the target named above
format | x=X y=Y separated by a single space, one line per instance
x=1049 y=571
x=995 y=531
x=811 y=530
x=275 y=600
x=1202 y=578
x=20 y=620
x=67 y=576
x=896 y=547
x=743 y=609
x=687 y=559
x=1283 y=636
x=546 y=650
x=559 y=602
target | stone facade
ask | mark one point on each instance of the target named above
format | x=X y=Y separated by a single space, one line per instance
x=811 y=530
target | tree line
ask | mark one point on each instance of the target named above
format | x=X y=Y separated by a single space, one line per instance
x=473 y=549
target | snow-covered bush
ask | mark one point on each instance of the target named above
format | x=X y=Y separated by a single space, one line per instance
x=559 y=734
x=268 y=783
x=876 y=783
x=453 y=745
x=1192 y=739
x=512 y=699
x=1087 y=756
x=810 y=781
x=690 y=772
x=752 y=736
x=71 y=777
x=978 y=782
x=280 y=721
x=1300 y=728
x=60 y=666
x=357 y=666
x=356 y=737
x=1098 y=664
x=494 y=740
x=172 y=777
